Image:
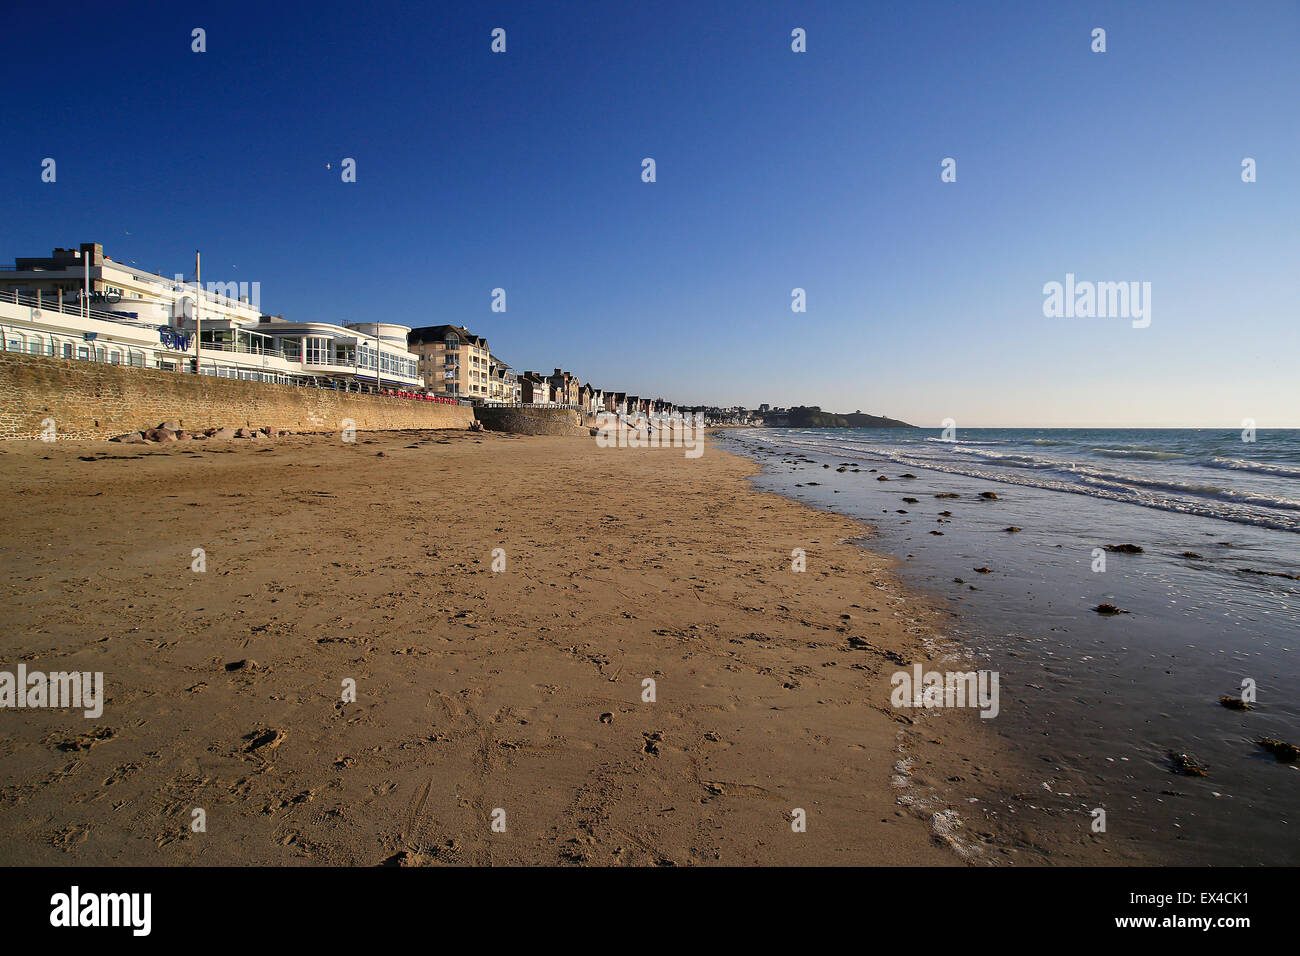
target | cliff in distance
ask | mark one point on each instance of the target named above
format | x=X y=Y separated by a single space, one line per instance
x=804 y=416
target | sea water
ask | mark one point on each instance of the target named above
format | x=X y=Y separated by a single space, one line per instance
x=1096 y=703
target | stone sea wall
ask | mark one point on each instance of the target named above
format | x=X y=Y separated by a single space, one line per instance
x=532 y=421
x=97 y=400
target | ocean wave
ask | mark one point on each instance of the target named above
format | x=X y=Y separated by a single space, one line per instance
x=1183 y=497
x=966 y=441
x=1017 y=461
x=1255 y=467
x=1241 y=508
x=1081 y=472
x=1188 y=488
x=1139 y=453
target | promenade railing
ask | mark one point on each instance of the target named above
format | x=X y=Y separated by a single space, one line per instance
x=72 y=307
x=22 y=341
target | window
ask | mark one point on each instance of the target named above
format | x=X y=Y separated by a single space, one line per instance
x=318 y=351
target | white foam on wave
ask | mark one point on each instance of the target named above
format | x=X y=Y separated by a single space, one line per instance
x=1139 y=453
x=1164 y=494
x=1256 y=467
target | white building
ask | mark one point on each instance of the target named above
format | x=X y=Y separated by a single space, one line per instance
x=80 y=304
x=345 y=352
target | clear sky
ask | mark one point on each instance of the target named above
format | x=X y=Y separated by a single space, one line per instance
x=775 y=170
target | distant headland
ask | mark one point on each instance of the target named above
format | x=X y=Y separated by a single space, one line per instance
x=811 y=416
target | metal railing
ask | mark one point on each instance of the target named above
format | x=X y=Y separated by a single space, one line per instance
x=73 y=307
x=180 y=363
x=73 y=270
x=129 y=356
x=249 y=350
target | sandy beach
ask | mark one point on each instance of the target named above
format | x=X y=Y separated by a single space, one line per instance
x=476 y=690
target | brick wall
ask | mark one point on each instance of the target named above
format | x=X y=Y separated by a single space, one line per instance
x=95 y=400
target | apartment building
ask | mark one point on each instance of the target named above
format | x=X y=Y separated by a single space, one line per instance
x=534 y=389
x=503 y=382
x=453 y=360
x=565 y=387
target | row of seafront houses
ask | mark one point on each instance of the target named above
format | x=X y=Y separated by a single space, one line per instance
x=80 y=304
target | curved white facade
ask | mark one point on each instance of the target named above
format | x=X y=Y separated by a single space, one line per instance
x=139 y=318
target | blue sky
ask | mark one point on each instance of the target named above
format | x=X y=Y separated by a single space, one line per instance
x=775 y=170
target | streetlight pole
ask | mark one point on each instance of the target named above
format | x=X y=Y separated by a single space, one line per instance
x=198 y=321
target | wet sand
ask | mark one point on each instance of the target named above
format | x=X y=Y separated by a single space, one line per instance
x=1096 y=703
x=476 y=690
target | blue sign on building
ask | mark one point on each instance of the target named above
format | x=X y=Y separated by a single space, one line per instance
x=173 y=339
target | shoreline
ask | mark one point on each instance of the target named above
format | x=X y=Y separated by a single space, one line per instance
x=476 y=690
x=1096 y=705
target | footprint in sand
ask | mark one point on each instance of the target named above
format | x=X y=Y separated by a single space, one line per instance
x=87 y=740
x=263 y=740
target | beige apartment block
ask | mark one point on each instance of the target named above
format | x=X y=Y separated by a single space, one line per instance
x=453 y=361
